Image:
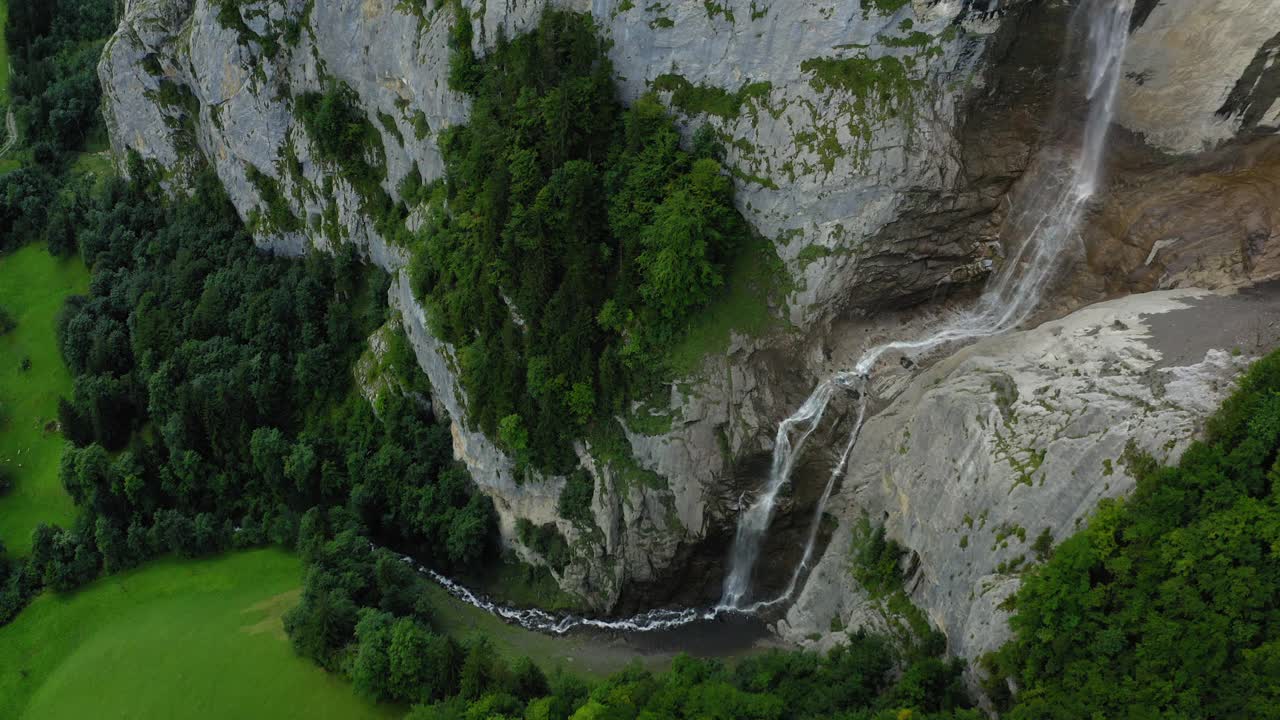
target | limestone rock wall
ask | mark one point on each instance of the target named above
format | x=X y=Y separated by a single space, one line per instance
x=1018 y=436
x=875 y=195
x=1202 y=71
x=820 y=167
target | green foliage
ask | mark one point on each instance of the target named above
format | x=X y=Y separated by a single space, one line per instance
x=877 y=564
x=575 y=243
x=344 y=137
x=882 y=7
x=547 y=541
x=53 y=49
x=26 y=195
x=227 y=376
x=465 y=71
x=855 y=680
x=574 y=504
x=1166 y=604
x=697 y=99
x=401 y=660
x=279 y=216
x=342 y=134
x=881 y=87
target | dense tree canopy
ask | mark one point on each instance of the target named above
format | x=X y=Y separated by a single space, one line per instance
x=54 y=47
x=573 y=240
x=856 y=681
x=54 y=100
x=221 y=380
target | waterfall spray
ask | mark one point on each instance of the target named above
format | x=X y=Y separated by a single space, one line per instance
x=1052 y=216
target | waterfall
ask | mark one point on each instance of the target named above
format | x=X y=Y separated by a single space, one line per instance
x=1049 y=219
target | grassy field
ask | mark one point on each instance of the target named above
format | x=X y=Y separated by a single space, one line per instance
x=176 y=639
x=33 y=286
x=742 y=307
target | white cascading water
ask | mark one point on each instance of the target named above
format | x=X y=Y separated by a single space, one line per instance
x=1048 y=220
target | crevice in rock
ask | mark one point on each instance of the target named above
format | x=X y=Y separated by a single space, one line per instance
x=1257 y=90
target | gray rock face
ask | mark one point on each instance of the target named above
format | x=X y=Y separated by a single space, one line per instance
x=819 y=164
x=1201 y=71
x=875 y=194
x=1018 y=436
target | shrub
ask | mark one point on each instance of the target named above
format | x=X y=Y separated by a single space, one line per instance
x=574 y=504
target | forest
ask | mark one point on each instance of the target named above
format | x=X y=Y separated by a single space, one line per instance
x=214 y=409
x=579 y=238
x=54 y=99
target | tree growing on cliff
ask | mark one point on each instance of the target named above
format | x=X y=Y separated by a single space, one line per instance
x=575 y=241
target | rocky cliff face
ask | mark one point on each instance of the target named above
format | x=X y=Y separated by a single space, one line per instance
x=1019 y=437
x=876 y=195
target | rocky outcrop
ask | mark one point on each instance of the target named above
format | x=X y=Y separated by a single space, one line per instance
x=878 y=153
x=1212 y=221
x=1200 y=73
x=980 y=463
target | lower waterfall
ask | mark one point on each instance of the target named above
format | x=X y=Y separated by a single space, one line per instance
x=1048 y=222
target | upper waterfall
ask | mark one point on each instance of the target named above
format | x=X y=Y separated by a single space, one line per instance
x=1047 y=220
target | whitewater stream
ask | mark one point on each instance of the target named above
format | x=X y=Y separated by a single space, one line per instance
x=1048 y=221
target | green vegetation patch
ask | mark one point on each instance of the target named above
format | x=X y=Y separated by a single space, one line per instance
x=33 y=287
x=190 y=639
x=880 y=86
x=756 y=280
x=278 y=217
x=882 y=7
x=345 y=138
x=578 y=242
x=547 y=541
x=877 y=566
x=709 y=99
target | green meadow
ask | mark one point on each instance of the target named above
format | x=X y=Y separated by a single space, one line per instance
x=175 y=639
x=33 y=287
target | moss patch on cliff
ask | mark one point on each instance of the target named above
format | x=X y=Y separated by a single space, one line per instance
x=882 y=7
x=881 y=87
x=699 y=99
